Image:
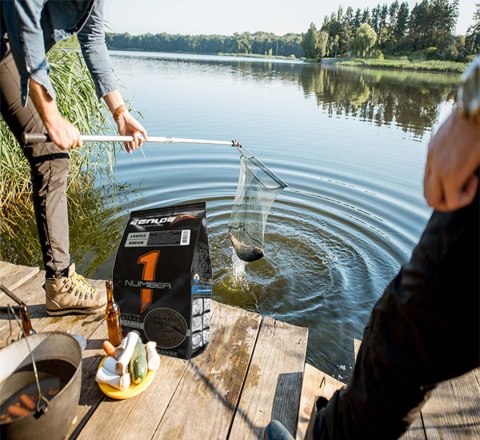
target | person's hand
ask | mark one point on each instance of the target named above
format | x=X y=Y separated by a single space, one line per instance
x=63 y=133
x=450 y=181
x=129 y=126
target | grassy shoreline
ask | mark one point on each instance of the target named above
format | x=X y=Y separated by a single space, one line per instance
x=402 y=64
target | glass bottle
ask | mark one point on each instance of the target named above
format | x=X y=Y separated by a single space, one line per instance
x=26 y=323
x=112 y=316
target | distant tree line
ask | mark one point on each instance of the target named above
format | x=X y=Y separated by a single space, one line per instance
x=262 y=43
x=395 y=30
x=386 y=29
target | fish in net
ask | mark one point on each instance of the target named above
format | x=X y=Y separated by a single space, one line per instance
x=257 y=189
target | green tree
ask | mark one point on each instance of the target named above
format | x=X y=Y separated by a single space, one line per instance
x=472 y=37
x=364 y=41
x=432 y=23
x=348 y=17
x=444 y=18
x=366 y=16
x=243 y=42
x=322 y=41
x=347 y=31
x=334 y=45
x=357 y=20
x=401 y=25
x=383 y=15
x=376 y=18
x=334 y=29
x=309 y=42
x=392 y=13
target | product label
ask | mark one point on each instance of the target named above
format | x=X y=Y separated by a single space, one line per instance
x=158 y=238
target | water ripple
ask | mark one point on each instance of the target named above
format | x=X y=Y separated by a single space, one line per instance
x=353 y=208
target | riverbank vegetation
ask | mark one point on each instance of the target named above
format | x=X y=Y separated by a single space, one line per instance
x=259 y=43
x=388 y=30
x=404 y=63
x=77 y=101
x=413 y=38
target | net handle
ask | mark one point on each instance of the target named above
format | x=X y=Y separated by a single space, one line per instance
x=32 y=138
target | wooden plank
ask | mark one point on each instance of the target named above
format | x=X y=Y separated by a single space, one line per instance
x=273 y=385
x=151 y=405
x=315 y=384
x=137 y=417
x=115 y=418
x=87 y=326
x=476 y=376
x=416 y=431
x=453 y=409
x=31 y=291
x=33 y=294
x=14 y=275
x=204 y=403
x=160 y=392
x=4 y=267
x=356 y=347
x=90 y=395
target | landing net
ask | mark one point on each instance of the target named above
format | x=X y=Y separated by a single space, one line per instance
x=257 y=189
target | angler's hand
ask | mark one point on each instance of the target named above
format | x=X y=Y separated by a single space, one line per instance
x=450 y=181
x=129 y=126
x=63 y=133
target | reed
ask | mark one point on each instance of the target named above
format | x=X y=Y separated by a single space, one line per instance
x=78 y=103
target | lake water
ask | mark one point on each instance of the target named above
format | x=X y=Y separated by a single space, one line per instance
x=351 y=146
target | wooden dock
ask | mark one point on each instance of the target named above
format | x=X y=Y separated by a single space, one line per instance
x=253 y=370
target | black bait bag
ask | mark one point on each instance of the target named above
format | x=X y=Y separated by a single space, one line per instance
x=162 y=278
x=257 y=189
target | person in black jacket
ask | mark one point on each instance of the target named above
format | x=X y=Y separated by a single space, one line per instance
x=425 y=327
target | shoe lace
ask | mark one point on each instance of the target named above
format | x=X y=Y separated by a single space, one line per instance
x=80 y=285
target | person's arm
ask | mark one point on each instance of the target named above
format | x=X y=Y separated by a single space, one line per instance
x=127 y=125
x=63 y=133
x=95 y=53
x=25 y=35
x=450 y=181
x=22 y=21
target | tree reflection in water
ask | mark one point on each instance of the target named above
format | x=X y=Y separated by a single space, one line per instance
x=409 y=100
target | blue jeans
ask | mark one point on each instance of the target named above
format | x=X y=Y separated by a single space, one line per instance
x=422 y=331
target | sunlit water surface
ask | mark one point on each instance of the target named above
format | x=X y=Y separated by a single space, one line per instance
x=350 y=144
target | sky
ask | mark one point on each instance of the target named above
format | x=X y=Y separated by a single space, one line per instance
x=225 y=17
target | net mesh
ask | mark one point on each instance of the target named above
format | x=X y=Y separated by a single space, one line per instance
x=257 y=189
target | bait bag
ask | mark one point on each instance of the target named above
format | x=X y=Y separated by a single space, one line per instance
x=162 y=278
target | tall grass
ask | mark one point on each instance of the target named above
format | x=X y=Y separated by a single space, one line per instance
x=78 y=103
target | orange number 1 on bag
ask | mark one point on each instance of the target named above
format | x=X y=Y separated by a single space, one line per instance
x=149 y=261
